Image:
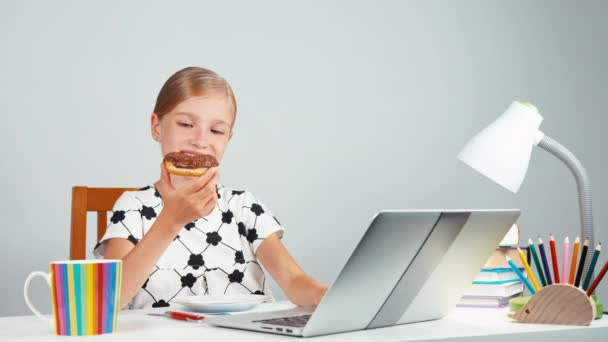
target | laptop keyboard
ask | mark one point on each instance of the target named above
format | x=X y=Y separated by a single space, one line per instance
x=292 y=321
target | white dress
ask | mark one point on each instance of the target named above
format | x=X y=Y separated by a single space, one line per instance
x=215 y=254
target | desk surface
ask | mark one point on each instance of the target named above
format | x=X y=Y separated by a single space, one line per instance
x=460 y=324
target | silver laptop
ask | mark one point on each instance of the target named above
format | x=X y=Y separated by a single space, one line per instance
x=410 y=266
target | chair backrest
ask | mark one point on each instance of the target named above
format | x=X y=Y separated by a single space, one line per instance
x=84 y=200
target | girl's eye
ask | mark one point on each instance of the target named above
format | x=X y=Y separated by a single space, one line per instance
x=215 y=131
x=185 y=124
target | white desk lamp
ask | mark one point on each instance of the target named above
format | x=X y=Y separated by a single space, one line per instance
x=502 y=152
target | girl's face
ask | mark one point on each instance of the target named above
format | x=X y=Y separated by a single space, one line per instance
x=198 y=125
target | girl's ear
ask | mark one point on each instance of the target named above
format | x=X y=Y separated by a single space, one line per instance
x=155 y=126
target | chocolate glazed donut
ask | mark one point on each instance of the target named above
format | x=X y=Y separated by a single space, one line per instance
x=185 y=164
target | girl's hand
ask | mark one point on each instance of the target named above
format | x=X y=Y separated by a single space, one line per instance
x=190 y=201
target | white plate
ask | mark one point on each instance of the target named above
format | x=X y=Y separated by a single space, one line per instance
x=220 y=303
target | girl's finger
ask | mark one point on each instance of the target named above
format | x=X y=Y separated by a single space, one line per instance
x=210 y=204
x=210 y=183
x=201 y=181
x=165 y=184
x=206 y=193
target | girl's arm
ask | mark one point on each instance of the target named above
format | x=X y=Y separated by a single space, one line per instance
x=180 y=206
x=138 y=261
x=300 y=288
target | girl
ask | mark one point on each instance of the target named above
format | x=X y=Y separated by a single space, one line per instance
x=188 y=235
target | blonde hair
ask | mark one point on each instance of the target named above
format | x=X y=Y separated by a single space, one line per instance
x=190 y=82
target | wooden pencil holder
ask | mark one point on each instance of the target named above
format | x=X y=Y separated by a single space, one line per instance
x=557 y=304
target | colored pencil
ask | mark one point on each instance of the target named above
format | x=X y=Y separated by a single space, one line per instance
x=539 y=268
x=565 y=251
x=528 y=270
x=577 y=243
x=554 y=259
x=596 y=254
x=543 y=256
x=520 y=275
x=581 y=264
x=597 y=279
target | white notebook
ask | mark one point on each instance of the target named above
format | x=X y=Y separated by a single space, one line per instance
x=497 y=290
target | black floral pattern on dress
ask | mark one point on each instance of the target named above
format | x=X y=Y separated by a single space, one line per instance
x=189 y=226
x=242 y=229
x=133 y=239
x=213 y=238
x=257 y=209
x=117 y=216
x=196 y=261
x=252 y=235
x=227 y=216
x=188 y=280
x=147 y=212
x=236 y=276
x=238 y=257
x=237 y=192
x=160 y=304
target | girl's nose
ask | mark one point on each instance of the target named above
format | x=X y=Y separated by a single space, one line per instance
x=200 y=139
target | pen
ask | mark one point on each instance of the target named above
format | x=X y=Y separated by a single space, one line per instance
x=543 y=255
x=597 y=280
x=596 y=254
x=577 y=243
x=520 y=275
x=554 y=259
x=182 y=316
x=565 y=251
x=539 y=268
x=581 y=264
x=528 y=270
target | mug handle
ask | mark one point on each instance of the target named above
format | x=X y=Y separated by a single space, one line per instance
x=26 y=288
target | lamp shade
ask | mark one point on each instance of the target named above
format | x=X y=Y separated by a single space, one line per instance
x=502 y=150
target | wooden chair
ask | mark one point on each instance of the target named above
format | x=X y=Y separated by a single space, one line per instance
x=84 y=200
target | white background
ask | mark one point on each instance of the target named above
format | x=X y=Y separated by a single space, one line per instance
x=345 y=108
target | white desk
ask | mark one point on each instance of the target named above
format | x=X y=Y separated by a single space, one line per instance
x=461 y=324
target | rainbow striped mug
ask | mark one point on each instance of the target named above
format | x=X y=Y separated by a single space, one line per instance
x=85 y=294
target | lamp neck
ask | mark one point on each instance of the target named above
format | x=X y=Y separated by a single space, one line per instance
x=584 y=190
x=538 y=137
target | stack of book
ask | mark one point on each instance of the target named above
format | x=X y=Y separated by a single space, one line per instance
x=496 y=283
